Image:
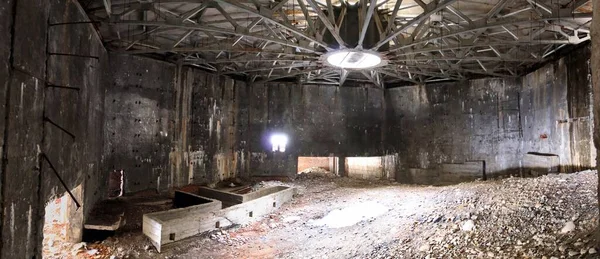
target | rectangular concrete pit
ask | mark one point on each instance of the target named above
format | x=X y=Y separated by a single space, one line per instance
x=171 y=225
x=230 y=199
x=166 y=227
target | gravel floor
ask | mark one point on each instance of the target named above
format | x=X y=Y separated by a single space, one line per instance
x=553 y=216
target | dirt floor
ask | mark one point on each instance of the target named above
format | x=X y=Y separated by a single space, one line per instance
x=551 y=216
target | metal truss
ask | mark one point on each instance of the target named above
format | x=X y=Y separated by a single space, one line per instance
x=266 y=40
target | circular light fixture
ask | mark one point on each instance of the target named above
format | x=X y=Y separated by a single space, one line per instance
x=353 y=59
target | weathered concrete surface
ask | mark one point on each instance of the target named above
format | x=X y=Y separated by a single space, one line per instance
x=454 y=123
x=595 y=60
x=77 y=59
x=365 y=167
x=494 y=120
x=139 y=128
x=556 y=111
x=169 y=126
x=26 y=70
x=319 y=121
x=23 y=129
x=218 y=145
x=539 y=163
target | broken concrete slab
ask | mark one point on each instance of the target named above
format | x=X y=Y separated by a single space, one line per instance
x=107 y=215
x=535 y=163
x=467 y=171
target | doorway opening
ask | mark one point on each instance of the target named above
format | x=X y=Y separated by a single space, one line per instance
x=115 y=184
x=310 y=165
x=63 y=224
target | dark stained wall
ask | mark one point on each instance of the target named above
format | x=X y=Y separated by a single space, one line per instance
x=74 y=107
x=201 y=128
x=495 y=120
x=51 y=97
x=595 y=66
x=169 y=126
x=22 y=129
x=319 y=121
x=139 y=115
x=453 y=123
x=556 y=111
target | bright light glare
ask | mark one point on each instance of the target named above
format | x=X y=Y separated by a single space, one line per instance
x=279 y=141
x=351 y=215
x=352 y=59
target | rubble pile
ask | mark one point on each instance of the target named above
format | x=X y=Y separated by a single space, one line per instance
x=315 y=172
x=224 y=237
x=553 y=216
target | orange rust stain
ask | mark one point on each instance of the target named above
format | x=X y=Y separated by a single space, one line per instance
x=586 y=8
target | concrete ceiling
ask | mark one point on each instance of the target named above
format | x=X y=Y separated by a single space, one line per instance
x=265 y=40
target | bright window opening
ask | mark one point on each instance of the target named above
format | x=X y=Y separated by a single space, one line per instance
x=279 y=142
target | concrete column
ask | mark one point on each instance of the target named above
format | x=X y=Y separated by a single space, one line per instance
x=595 y=58
x=341 y=166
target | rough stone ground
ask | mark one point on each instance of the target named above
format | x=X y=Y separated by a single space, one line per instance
x=553 y=216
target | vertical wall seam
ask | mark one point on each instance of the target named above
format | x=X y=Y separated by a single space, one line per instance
x=7 y=117
x=39 y=191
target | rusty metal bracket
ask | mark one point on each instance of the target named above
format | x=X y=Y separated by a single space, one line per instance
x=59 y=127
x=61 y=180
x=73 y=55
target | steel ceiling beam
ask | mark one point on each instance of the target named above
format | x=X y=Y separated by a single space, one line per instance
x=254 y=38
x=215 y=30
x=366 y=22
x=286 y=76
x=328 y=24
x=430 y=9
x=267 y=14
x=481 y=24
x=312 y=64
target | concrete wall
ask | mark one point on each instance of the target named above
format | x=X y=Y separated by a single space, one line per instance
x=139 y=115
x=319 y=120
x=364 y=167
x=493 y=120
x=595 y=65
x=51 y=99
x=169 y=126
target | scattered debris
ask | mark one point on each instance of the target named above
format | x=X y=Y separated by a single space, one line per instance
x=468 y=225
x=570 y=226
x=502 y=218
x=315 y=172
